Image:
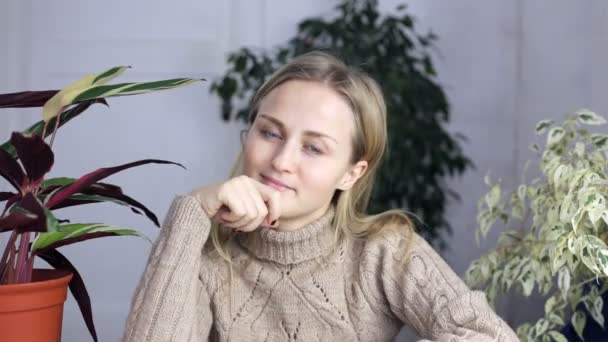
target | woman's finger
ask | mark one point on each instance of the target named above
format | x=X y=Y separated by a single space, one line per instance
x=244 y=192
x=272 y=199
x=236 y=207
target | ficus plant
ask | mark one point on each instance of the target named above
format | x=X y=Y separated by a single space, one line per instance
x=30 y=213
x=556 y=230
x=421 y=152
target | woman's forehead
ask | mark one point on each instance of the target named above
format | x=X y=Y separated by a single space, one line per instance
x=305 y=105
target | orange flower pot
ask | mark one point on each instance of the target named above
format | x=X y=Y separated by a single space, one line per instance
x=33 y=312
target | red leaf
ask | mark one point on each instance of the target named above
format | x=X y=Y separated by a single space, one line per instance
x=124 y=198
x=11 y=170
x=29 y=216
x=70 y=202
x=26 y=99
x=12 y=201
x=5 y=196
x=90 y=178
x=77 y=287
x=105 y=190
x=106 y=186
x=16 y=220
x=36 y=156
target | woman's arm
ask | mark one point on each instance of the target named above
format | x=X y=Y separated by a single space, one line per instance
x=171 y=303
x=423 y=292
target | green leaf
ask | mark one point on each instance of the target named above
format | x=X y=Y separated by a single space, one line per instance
x=579 y=319
x=588 y=117
x=59 y=181
x=52 y=224
x=78 y=231
x=557 y=336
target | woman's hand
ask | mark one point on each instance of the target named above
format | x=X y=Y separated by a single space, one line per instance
x=242 y=203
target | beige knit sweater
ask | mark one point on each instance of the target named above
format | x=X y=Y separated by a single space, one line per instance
x=293 y=286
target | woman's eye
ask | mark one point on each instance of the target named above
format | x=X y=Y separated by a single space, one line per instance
x=269 y=134
x=313 y=149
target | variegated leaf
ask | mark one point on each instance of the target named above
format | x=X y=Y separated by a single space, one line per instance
x=579 y=320
x=600 y=141
x=67 y=95
x=542 y=125
x=125 y=89
x=588 y=117
x=555 y=135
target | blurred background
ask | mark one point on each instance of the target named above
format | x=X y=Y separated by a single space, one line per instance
x=503 y=65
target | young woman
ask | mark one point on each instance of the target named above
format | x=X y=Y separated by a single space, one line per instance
x=283 y=250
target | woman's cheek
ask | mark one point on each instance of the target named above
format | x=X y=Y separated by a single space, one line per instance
x=255 y=160
x=321 y=177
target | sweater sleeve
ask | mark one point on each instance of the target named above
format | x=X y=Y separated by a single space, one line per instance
x=423 y=292
x=170 y=302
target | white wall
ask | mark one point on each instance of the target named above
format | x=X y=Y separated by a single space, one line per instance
x=504 y=64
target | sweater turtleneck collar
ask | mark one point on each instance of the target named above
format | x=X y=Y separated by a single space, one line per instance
x=308 y=242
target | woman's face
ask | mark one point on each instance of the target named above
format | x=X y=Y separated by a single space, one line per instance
x=300 y=144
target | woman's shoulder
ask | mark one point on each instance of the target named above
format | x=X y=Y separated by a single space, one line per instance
x=396 y=248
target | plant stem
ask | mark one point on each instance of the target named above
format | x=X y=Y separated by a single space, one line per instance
x=46 y=124
x=516 y=237
x=29 y=266
x=57 y=119
x=583 y=282
x=4 y=211
x=4 y=261
x=22 y=256
x=10 y=276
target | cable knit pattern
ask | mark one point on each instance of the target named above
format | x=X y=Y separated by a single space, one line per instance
x=299 y=286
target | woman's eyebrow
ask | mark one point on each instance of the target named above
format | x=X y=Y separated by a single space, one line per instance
x=310 y=133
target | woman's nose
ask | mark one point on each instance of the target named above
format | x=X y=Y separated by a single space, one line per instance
x=285 y=158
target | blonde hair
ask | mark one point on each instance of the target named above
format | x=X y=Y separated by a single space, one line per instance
x=365 y=99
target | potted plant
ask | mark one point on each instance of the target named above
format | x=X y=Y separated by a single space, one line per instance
x=556 y=243
x=31 y=300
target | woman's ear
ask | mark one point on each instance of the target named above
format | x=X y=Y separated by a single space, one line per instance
x=244 y=134
x=351 y=176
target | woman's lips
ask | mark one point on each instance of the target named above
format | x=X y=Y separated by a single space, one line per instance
x=275 y=183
